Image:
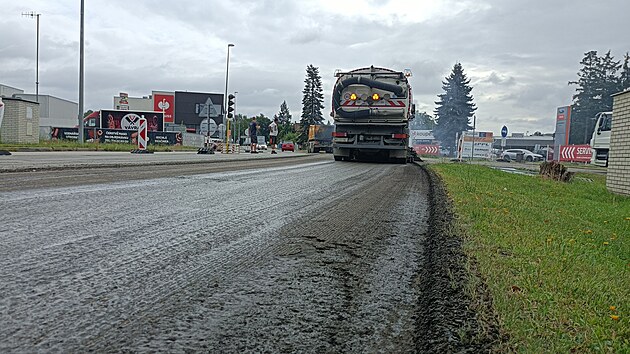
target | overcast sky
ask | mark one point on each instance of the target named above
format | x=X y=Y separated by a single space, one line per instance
x=518 y=54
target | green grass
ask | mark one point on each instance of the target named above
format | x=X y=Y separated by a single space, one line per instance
x=555 y=256
x=65 y=145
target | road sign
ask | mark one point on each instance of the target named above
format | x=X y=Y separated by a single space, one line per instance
x=203 y=127
x=504 y=132
x=575 y=153
x=503 y=142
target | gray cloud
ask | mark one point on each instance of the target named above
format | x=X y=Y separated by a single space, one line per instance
x=518 y=55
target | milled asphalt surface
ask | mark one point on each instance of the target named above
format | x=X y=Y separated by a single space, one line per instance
x=287 y=255
x=53 y=160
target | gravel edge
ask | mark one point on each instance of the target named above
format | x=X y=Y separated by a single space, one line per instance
x=457 y=314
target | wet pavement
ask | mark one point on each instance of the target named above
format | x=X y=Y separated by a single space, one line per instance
x=317 y=256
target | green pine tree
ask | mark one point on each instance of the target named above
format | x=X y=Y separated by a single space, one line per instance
x=454 y=109
x=312 y=102
x=624 y=78
x=285 y=125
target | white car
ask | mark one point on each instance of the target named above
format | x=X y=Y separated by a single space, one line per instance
x=261 y=144
x=528 y=156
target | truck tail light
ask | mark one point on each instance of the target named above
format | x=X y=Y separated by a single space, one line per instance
x=400 y=136
x=339 y=135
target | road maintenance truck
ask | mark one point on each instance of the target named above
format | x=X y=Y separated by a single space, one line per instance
x=372 y=108
x=320 y=138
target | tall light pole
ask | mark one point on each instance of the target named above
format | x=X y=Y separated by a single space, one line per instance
x=236 y=138
x=227 y=71
x=81 y=88
x=35 y=15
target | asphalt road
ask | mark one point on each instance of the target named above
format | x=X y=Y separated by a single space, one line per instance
x=306 y=256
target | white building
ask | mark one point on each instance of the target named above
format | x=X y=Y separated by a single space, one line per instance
x=8 y=91
x=54 y=111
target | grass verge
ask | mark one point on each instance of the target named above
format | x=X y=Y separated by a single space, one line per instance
x=555 y=256
x=61 y=145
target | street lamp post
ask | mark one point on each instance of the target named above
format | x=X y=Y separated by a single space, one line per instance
x=227 y=71
x=35 y=15
x=236 y=138
x=81 y=88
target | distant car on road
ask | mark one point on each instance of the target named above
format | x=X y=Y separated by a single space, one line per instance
x=288 y=146
x=261 y=144
x=511 y=154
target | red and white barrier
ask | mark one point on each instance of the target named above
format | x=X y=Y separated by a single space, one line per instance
x=142 y=134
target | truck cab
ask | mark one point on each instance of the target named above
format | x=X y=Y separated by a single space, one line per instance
x=600 y=142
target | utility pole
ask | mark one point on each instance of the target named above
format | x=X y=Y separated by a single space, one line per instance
x=35 y=15
x=81 y=88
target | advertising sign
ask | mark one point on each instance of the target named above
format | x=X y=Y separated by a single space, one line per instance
x=117 y=136
x=193 y=107
x=483 y=144
x=123 y=102
x=163 y=102
x=575 y=153
x=128 y=120
x=427 y=149
x=563 y=127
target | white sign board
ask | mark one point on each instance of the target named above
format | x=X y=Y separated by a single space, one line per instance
x=482 y=150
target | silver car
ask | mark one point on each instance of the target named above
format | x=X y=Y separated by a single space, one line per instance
x=511 y=154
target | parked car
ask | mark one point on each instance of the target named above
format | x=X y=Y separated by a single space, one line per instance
x=511 y=154
x=261 y=144
x=288 y=146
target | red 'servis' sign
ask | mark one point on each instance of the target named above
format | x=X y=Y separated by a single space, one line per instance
x=427 y=149
x=166 y=103
x=575 y=153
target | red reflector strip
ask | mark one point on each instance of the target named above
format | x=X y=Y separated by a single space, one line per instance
x=339 y=135
x=400 y=136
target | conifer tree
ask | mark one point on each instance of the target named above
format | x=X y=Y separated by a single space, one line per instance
x=455 y=108
x=312 y=101
x=284 y=120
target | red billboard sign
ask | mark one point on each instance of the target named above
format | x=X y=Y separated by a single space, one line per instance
x=166 y=103
x=427 y=149
x=575 y=153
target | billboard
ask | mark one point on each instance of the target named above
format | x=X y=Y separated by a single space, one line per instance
x=128 y=120
x=482 y=144
x=575 y=153
x=165 y=102
x=563 y=127
x=419 y=137
x=193 y=107
x=117 y=136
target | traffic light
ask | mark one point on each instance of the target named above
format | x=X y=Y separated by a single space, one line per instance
x=230 y=106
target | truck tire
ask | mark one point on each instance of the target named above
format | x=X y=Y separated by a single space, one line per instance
x=338 y=158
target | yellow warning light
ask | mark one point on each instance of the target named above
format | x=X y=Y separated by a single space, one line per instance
x=376 y=97
x=353 y=96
